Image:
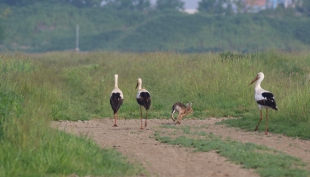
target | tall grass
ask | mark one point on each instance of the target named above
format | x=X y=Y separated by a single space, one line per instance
x=289 y=81
x=28 y=146
x=38 y=88
x=218 y=84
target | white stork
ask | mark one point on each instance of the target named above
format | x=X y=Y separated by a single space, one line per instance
x=144 y=99
x=116 y=99
x=264 y=99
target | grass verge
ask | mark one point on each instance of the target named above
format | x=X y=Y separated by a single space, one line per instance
x=265 y=161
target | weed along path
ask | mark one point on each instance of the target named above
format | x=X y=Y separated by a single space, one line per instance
x=161 y=159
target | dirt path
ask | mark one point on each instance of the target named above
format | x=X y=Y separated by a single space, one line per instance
x=171 y=161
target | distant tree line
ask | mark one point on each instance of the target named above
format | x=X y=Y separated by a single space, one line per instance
x=137 y=5
x=222 y=7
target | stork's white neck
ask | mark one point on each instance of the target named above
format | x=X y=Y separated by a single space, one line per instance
x=258 y=82
x=139 y=84
x=116 y=81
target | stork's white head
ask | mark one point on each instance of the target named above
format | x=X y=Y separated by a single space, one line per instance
x=260 y=76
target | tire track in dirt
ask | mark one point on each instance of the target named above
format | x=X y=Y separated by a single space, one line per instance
x=167 y=160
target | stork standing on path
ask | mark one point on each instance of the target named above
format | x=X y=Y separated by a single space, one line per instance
x=144 y=99
x=264 y=99
x=116 y=99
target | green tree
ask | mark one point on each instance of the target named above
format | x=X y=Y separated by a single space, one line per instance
x=206 y=6
x=17 y=2
x=239 y=5
x=77 y=3
x=303 y=6
x=216 y=6
x=1 y=31
x=3 y=16
x=228 y=8
x=170 y=5
x=134 y=5
x=84 y=3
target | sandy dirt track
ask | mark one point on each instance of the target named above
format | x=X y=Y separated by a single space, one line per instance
x=173 y=161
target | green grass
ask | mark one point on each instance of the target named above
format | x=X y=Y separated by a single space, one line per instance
x=55 y=153
x=289 y=81
x=265 y=161
x=28 y=146
x=38 y=88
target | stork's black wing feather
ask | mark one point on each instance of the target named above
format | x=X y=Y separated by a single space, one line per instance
x=267 y=95
x=145 y=100
x=116 y=101
x=268 y=100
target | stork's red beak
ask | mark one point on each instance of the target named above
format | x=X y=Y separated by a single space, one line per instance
x=256 y=78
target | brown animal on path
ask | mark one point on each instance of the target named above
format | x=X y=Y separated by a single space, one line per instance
x=182 y=109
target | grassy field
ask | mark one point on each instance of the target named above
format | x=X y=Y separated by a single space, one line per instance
x=38 y=88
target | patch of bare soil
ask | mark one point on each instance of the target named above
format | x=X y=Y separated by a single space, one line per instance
x=167 y=160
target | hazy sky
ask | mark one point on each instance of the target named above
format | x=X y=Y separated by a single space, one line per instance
x=189 y=4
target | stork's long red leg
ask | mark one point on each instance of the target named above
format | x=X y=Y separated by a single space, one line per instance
x=266 y=131
x=146 y=119
x=260 y=119
x=141 y=118
x=115 y=120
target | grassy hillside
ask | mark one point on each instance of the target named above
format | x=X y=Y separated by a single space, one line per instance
x=36 y=28
x=190 y=33
x=42 y=28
